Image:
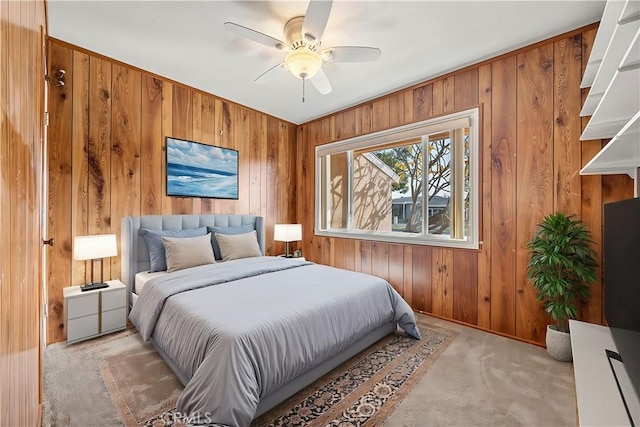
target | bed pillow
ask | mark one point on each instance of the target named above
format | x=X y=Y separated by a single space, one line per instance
x=236 y=246
x=239 y=229
x=156 y=249
x=185 y=252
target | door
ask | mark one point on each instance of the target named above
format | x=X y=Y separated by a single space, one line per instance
x=44 y=191
x=44 y=194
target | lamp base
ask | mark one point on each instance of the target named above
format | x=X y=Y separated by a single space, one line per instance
x=93 y=286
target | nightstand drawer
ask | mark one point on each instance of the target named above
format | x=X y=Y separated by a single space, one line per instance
x=82 y=327
x=114 y=319
x=114 y=299
x=82 y=305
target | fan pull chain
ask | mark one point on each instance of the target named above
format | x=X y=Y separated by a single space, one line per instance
x=303 y=85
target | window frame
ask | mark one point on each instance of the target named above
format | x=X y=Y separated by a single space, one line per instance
x=434 y=125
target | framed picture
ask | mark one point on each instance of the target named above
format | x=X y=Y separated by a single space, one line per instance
x=200 y=170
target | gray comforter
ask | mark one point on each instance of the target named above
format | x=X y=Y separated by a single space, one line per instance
x=241 y=329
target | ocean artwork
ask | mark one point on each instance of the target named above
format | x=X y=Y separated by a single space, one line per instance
x=200 y=170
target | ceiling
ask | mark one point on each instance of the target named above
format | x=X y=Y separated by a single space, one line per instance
x=186 y=41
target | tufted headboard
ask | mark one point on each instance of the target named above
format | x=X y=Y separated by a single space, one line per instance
x=133 y=248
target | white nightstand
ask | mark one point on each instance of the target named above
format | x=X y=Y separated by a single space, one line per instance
x=93 y=313
x=301 y=258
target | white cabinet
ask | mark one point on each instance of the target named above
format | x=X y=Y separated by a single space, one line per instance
x=93 y=313
x=614 y=98
x=597 y=395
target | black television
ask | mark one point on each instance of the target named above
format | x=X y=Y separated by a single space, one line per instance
x=622 y=285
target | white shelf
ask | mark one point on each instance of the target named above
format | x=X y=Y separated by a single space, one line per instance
x=620 y=155
x=610 y=16
x=621 y=99
x=614 y=99
x=631 y=59
x=620 y=40
x=630 y=12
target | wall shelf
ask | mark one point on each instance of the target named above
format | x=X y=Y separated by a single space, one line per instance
x=619 y=42
x=614 y=99
x=621 y=99
x=620 y=155
x=610 y=16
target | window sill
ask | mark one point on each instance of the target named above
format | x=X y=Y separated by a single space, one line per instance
x=406 y=240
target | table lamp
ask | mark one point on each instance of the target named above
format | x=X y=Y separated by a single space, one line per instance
x=287 y=233
x=96 y=247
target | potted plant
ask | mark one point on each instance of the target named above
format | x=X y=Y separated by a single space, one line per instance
x=561 y=267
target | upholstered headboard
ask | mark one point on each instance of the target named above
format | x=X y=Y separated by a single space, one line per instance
x=133 y=248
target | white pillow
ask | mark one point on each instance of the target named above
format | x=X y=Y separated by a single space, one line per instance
x=236 y=246
x=185 y=252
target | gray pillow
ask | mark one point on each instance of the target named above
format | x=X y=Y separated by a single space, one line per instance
x=185 y=252
x=238 y=246
x=239 y=229
x=155 y=247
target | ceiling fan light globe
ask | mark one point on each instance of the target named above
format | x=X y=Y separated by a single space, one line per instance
x=303 y=63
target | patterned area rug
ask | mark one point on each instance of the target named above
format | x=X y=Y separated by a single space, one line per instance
x=140 y=384
x=363 y=391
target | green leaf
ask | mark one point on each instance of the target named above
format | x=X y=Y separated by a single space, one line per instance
x=561 y=264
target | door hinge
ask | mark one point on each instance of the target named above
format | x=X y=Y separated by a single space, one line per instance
x=46 y=118
x=44 y=309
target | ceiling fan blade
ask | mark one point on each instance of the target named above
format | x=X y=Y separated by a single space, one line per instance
x=266 y=76
x=351 y=54
x=315 y=20
x=254 y=35
x=321 y=82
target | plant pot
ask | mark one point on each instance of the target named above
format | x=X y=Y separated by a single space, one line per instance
x=559 y=344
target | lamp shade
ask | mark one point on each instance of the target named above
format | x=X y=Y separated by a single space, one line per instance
x=287 y=232
x=94 y=247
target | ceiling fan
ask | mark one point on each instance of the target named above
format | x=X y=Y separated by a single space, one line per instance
x=303 y=36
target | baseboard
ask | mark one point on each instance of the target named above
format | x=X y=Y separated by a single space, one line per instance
x=480 y=328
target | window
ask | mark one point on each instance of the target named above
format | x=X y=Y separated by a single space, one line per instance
x=413 y=184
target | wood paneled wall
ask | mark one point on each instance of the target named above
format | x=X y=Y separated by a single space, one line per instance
x=531 y=156
x=106 y=158
x=21 y=124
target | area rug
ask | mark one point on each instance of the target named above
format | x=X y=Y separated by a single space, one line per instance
x=362 y=391
x=140 y=384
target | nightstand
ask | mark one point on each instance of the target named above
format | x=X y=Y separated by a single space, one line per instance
x=301 y=258
x=93 y=313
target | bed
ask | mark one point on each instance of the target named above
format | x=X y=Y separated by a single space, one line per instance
x=244 y=335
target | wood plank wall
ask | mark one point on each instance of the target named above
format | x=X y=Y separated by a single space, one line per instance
x=106 y=158
x=531 y=156
x=21 y=129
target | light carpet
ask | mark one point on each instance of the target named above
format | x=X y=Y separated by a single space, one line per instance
x=143 y=390
x=364 y=389
x=480 y=379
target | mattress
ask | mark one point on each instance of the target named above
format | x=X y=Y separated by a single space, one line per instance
x=143 y=277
